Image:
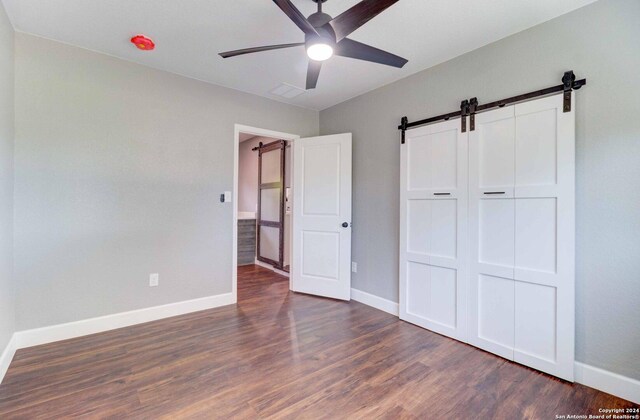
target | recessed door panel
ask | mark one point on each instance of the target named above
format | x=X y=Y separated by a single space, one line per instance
x=443 y=230
x=536 y=145
x=270 y=204
x=321 y=171
x=496 y=231
x=270 y=167
x=432 y=293
x=269 y=243
x=496 y=159
x=433 y=160
x=535 y=320
x=418 y=171
x=418 y=226
x=418 y=289
x=443 y=288
x=444 y=159
x=535 y=234
x=496 y=314
x=321 y=254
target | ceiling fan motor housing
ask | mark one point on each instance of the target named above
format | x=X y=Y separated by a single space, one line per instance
x=319 y=21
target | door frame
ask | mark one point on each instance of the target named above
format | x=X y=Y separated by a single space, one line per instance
x=239 y=128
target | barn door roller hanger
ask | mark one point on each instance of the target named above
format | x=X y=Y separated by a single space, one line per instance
x=470 y=107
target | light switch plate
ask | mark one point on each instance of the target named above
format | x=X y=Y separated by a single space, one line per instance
x=354 y=267
x=227 y=196
x=154 y=279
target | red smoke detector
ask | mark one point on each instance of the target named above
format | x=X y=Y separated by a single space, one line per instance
x=143 y=43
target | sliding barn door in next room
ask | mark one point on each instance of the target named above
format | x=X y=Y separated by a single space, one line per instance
x=271 y=167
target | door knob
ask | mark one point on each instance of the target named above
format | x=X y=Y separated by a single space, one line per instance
x=345 y=225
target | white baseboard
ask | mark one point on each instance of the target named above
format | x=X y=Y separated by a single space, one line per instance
x=7 y=356
x=38 y=336
x=603 y=380
x=612 y=383
x=44 y=335
x=375 y=301
x=590 y=376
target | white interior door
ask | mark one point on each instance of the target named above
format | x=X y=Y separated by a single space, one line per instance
x=321 y=253
x=433 y=228
x=522 y=234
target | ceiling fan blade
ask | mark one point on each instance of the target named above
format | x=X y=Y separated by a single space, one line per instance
x=354 y=49
x=358 y=15
x=296 y=16
x=228 y=54
x=313 y=72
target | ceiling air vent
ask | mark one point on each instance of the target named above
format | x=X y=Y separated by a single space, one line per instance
x=288 y=91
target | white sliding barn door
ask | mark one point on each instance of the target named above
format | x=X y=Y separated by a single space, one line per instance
x=321 y=253
x=433 y=228
x=522 y=215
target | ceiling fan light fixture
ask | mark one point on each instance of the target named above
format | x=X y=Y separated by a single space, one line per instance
x=325 y=36
x=320 y=51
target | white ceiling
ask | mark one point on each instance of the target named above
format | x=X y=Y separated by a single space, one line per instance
x=189 y=34
x=245 y=136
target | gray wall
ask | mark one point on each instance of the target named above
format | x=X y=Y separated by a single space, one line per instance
x=600 y=42
x=119 y=168
x=7 y=296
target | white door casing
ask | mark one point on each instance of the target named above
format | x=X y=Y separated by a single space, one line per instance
x=433 y=228
x=522 y=234
x=321 y=252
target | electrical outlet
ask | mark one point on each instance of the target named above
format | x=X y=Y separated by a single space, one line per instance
x=354 y=267
x=154 y=279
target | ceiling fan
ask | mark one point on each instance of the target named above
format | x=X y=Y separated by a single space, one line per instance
x=326 y=36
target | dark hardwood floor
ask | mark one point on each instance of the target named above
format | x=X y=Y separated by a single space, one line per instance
x=282 y=355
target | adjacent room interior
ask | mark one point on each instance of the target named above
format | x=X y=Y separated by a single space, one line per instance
x=264 y=202
x=355 y=209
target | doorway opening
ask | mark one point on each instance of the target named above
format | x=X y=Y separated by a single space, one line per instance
x=262 y=200
x=319 y=254
x=264 y=206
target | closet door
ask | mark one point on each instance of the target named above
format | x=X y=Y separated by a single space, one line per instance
x=545 y=236
x=522 y=234
x=433 y=228
x=492 y=230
